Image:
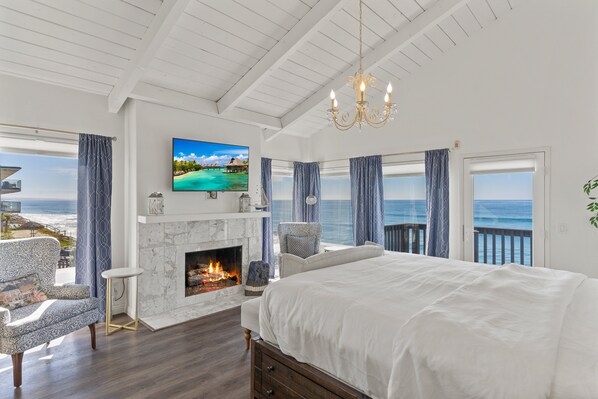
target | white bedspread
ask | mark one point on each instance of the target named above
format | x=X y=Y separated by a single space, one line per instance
x=496 y=337
x=345 y=319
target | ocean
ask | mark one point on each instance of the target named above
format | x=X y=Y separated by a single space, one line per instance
x=61 y=214
x=335 y=216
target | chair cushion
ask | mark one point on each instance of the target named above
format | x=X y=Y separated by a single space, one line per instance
x=21 y=292
x=301 y=246
x=34 y=317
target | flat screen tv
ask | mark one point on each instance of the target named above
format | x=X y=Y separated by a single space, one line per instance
x=205 y=166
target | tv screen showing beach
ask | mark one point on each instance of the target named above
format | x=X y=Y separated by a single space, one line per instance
x=203 y=166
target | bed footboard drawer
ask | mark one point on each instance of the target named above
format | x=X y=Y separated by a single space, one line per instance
x=275 y=375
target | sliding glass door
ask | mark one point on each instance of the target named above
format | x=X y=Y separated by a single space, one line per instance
x=503 y=213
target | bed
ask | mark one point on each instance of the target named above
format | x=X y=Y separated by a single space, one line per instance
x=411 y=326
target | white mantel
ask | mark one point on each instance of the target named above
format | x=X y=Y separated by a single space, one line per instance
x=200 y=216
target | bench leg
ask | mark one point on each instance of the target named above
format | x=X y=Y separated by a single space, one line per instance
x=92 y=330
x=17 y=368
x=247 y=334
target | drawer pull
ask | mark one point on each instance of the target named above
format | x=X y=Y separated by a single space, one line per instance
x=270 y=392
x=270 y=368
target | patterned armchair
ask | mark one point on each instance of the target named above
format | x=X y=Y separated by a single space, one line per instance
x=298 y=238
x=67 y=309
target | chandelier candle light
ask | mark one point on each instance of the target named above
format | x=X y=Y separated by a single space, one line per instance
x=360 y=82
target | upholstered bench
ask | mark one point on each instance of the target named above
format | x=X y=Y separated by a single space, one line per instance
x=250 y=318
x=291 y=264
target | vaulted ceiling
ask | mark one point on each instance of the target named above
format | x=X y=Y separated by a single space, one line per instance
x=270 y=63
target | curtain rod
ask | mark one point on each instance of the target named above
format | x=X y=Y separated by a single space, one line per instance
x=384 y=155
x=42 y=128
x=390 y=155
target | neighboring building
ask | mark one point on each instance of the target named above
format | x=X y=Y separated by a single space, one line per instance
x=9 y=186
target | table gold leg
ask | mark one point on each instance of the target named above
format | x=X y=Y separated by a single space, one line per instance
x=108 y=304
x=136 y=301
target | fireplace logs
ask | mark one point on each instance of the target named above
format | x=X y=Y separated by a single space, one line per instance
x=205 y=274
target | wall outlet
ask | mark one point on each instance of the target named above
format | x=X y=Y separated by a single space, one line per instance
x=562 y=228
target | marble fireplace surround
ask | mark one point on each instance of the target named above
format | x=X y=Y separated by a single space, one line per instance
x=162 y=244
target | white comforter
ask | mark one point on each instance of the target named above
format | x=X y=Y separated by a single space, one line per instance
x=389 y=327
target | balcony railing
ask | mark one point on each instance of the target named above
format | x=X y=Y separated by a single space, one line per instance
x=500 y=246
x=491 y=245
x=408 y=237
x=10 y=206
x=10 y=186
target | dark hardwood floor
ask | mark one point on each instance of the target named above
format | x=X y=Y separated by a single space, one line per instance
x=204 y=358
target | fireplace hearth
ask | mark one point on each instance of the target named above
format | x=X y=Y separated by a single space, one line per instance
x=211 y=270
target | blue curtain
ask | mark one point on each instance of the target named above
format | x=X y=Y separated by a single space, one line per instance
x=267 y=237
x=94 y=192
x=306 y=181
x=367 y=199
x=437 y=203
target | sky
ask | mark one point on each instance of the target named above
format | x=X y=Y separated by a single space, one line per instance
x=46 y=177
x=203 y=152
x=499 y=186
x=42 y=177
x=503 y=186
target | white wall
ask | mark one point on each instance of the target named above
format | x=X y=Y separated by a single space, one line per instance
x=156 y=125
x=286 y=147
x=26 y=102
x=529 y=80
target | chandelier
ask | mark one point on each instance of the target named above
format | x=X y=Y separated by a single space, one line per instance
x=360 y=83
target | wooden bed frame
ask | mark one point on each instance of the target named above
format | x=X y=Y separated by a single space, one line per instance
x=276 y=375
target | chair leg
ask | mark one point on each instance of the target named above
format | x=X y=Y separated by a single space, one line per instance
x=247 y=334
x=92 y=330
x=17 y=368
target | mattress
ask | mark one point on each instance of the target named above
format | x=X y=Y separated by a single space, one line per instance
x=343 y=319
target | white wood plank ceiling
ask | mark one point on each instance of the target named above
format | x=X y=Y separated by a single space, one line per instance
x=266 y=62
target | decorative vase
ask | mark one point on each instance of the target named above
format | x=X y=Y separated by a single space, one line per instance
x=244 y=203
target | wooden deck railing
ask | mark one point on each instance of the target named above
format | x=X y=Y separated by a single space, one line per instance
x=500 y=246
x=408 y=237
x=491 y=245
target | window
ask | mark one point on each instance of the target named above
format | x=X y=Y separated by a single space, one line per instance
x=405 y=207
x=503 y=209
x=335 y=209
x=38 y=197
x=282 y=199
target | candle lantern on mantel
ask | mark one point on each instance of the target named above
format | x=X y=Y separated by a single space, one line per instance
x=244 y=203
x=155 y=204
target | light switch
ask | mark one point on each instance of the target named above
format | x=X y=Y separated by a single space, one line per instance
x=562 y=227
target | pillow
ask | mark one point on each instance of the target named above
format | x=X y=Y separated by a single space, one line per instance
x=21 y=292
x=301 y=246
x=290 y=264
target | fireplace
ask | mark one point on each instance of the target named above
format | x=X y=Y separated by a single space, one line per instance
x=212 y=270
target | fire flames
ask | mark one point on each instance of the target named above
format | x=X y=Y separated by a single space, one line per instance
x=216 y=272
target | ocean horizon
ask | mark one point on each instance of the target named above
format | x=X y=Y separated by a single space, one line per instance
x=335 y=216
x=337 y=226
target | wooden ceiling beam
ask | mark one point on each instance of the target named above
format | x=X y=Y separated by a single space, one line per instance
x=159 y=95
x=320 y=14
x=156 y=34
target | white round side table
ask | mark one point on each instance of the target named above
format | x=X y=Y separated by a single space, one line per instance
x=125 y=272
